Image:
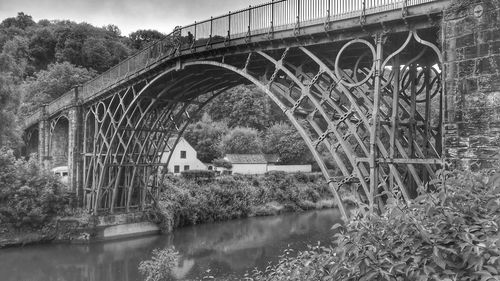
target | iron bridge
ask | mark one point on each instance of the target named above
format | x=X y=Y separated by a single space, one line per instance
x=359 y=79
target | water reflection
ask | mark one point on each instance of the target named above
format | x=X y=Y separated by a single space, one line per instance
x=227 y=249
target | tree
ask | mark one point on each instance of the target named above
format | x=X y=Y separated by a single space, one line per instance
x=42 y=44
x=12 y=66
x=205 y=136
x=96 y=55
x=143 y=37
x=22 y=21
x=284 y=140
x=242 y=106
x=88 y=46
x=14 y=56
x=47 y=85
x=241 y=141
x=113 y=29
x=9 y=133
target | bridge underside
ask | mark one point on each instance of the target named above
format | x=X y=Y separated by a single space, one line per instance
x=375 y=104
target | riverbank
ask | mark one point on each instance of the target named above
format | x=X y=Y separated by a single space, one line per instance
x=188 y=202
x=227 y=248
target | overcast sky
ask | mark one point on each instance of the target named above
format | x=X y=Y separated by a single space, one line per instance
x=128 y=15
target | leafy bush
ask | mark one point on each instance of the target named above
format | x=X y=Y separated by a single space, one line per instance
x=198 y=174
x=451 y=233
x=29 y=196
x=223 y=163
x=160 y=266
x=189 y=201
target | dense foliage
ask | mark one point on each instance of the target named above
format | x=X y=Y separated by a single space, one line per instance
x=29 y=196
x=160 y=265
x=46 y=42
x=284 y=140
x=245 y=106
x=47 y=85
x=451 y=233
x=241 y=141
x=185 y=201
x=198 y=174
x=205 y=136
x=143 y=37
x=223 y=163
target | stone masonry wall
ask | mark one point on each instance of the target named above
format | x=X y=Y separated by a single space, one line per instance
x=471 y=45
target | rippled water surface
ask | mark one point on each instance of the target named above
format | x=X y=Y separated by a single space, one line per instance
x=218 y=249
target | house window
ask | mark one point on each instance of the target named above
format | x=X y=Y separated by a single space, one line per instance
x=176 y=169
x=183 y=154
x=186 y=167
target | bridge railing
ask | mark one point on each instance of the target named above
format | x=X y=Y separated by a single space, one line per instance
x=257 y=20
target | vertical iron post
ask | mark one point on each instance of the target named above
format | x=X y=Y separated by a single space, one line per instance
x=272 y=16
x=229 y=26
x=329 y=9
x=374 y=130
x=249 y=19
x=194 y=39
x=298 y=14
x=394 y=115
x=211 y=28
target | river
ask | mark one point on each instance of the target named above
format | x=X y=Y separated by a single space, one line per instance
x=226 y=249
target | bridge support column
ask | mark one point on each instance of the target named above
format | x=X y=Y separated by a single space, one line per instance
x=44 y=140
x=471 y=37
x=75 y=143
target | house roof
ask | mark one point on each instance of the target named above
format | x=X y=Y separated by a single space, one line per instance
x=171 y=142
x=251 y=158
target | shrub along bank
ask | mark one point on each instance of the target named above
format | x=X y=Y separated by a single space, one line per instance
x=187 y=201
x=30 y=200
x=449 y=233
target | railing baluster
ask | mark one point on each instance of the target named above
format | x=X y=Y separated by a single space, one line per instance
x=229 y=26
x=249 y=19
x=211 y=27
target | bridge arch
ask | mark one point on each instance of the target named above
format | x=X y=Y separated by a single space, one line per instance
x=59 y=141
x=357 y=121
x=32 y=141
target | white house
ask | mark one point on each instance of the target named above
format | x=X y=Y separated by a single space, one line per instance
x=183 y=158
x=261 y=163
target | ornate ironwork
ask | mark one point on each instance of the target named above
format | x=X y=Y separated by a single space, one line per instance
x=378 y=114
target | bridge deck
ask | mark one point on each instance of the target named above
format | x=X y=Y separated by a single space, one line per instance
x=272 y=22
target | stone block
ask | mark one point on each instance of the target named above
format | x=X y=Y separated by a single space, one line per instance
x=494 y=47
x=465 y=40
x=489 y=83
x=467 y=86
x=488 y=65
x=466 y=68
x=487 y=36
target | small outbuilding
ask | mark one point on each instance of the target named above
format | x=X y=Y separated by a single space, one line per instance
x=261 y=163
x=247 y=163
